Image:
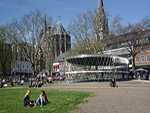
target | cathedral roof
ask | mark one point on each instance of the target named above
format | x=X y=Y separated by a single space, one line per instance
x=58 y=28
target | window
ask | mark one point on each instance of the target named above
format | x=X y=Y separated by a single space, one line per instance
x=137 y=59
x=142 y=59
x=23 y=58
x=148 y=58
x=142 y=49
x=147 y=49
x=18 y=56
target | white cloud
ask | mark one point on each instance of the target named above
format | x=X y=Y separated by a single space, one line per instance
x=4 y=5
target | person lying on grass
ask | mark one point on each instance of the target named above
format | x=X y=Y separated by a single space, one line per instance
x=42 y=100
x=27 y=102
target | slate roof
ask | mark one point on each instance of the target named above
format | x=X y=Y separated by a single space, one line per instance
x=61 y=57
x=120 y=51
x=58 y=28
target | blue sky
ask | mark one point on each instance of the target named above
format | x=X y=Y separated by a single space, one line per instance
x=129 y=10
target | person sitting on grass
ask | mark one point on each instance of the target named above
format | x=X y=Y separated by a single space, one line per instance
x=113 y=83
x=30 y=83
x=1 y=85
x=42 y=100
x=22 y=82
x=27 y=102
x=34 y=83
x=38 y=84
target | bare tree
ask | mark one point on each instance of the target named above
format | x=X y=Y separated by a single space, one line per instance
x=115 y=25
x=133 y=37
x=29 y=37
x=6 y=55
x=82 y=30
x=88 y=36
x=145 y=22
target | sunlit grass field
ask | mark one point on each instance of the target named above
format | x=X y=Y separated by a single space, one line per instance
x=11 y=101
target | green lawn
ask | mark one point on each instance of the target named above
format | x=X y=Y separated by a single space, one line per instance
x=11 y=101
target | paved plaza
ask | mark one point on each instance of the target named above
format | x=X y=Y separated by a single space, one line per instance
x=129 y=97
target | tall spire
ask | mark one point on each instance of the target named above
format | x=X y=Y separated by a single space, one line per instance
x=100 y=5
x=101 y=22
x=45 y=24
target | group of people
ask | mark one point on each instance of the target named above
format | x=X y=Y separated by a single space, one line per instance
x=35 y=83
x=141 y=75
x=42 y=100
x=4 y=82
x=19 y=81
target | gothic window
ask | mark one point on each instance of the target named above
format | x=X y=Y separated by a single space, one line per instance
x=148 y=58
x=137 y=59
x=63 y=48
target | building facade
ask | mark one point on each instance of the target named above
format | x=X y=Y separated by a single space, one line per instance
x=142 y=59
x=20 y=65
x=59 y=63
x=142 y=46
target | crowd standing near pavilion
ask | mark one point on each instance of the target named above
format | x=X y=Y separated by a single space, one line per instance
x=140 y=75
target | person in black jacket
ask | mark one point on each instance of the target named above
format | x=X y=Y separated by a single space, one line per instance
x=113 y=83
x=27 y=102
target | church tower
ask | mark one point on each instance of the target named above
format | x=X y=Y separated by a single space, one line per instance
x=62 y=42
x=101 y=26
x=55 y=42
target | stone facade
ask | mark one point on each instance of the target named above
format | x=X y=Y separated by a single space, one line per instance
x=56 y=42
x=101 y=26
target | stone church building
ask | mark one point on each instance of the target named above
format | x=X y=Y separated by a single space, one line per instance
x=56 y=42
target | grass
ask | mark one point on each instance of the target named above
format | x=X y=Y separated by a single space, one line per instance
x=11 y=101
